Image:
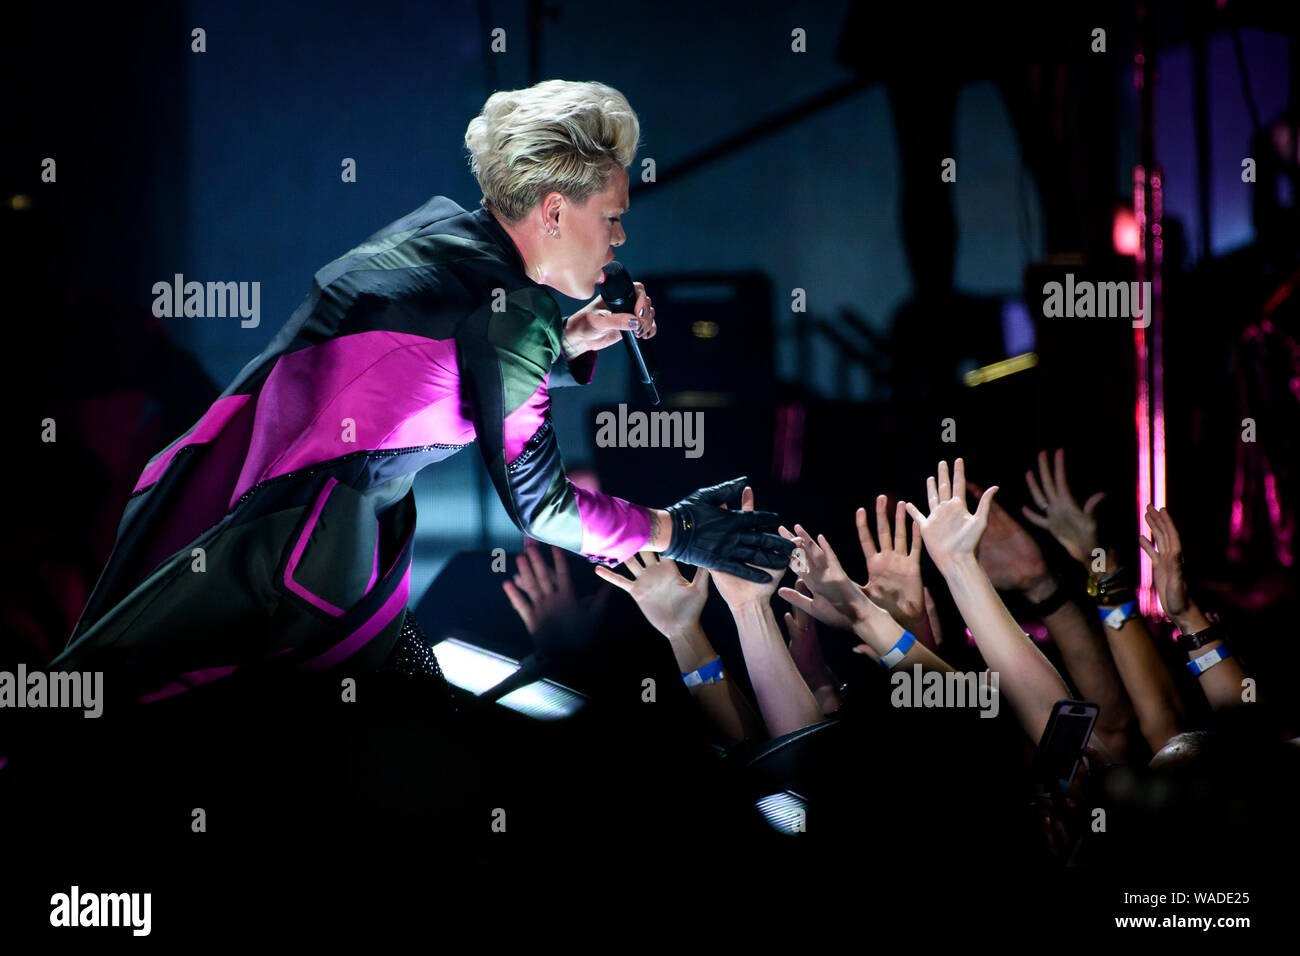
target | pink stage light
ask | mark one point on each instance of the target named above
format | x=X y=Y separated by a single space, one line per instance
x=1155 y=308
x=1124 y=232
x=1142 y=405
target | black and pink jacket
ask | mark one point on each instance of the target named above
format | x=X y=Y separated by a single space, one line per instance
x=277 y=531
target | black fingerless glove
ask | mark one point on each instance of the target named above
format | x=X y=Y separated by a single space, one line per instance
x=709 y=536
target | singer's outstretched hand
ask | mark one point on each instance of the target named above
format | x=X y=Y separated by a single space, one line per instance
x=707 y=534
x=594 y=326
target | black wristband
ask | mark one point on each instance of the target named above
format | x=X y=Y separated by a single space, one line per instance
x=1215 y=632
x=1051 y=603
x=1115 y=598
x=1104 y=589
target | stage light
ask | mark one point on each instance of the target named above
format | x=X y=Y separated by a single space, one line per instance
x=476 y=670
x=544 y=700
x=1124 y=232
x=989 y=373
x=785 y=812
x=472 y=668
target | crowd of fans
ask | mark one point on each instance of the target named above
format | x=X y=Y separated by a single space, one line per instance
x=693 y=727
x=1203 y=779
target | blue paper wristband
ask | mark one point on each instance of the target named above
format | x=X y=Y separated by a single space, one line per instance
x=706 y=674
x=1114 y=617
x=898 y=651
x=1199 y=665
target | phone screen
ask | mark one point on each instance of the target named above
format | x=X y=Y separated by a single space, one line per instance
x=1063 y=742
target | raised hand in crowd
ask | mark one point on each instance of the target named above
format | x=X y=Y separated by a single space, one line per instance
x=668 y=601
x=784 y=699
x=1014 y=562
x=1150 y=686
x=1010 y=556
x=1074 y=527
x=894 y=571
x=673 y=606
x=805 y=649
x=542 y=595
x=832 y=598
x=1220 y=674
x=952 y=535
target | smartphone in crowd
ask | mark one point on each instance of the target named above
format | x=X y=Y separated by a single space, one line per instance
x=1068 y=730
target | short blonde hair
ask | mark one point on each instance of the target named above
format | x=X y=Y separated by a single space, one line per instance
x=558 y=135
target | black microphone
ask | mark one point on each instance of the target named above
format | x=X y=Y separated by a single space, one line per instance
x=620 y=296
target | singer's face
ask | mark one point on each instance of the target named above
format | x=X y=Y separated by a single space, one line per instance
x=588 y=235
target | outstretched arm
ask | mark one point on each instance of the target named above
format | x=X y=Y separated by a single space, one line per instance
x=1155 y=697
x=1014 y=562
x=673 y=605
x=506 y=360
x=894 y=571
x=784 y=699
x=1222 y=682
x=951 y=535
x=806 y=651
x=828 y=595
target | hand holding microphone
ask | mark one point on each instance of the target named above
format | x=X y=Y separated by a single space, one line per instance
x=620 y=295
x=708 y=529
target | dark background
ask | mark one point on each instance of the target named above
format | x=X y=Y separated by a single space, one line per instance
x=775 y=171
